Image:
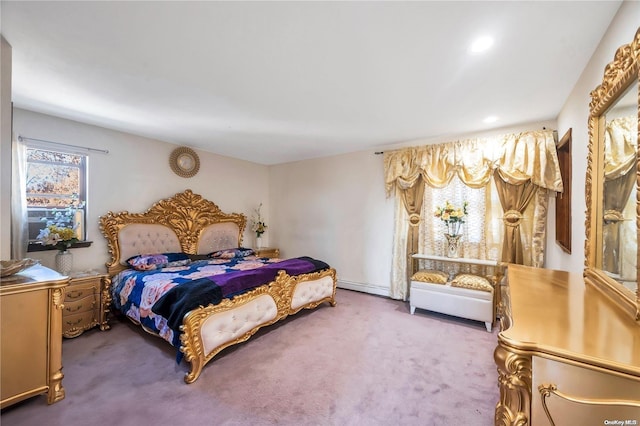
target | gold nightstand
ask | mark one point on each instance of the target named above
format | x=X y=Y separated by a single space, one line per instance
x=86 y=303
x=270 y=252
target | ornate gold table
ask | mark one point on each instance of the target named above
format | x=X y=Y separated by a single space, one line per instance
x=566 y=354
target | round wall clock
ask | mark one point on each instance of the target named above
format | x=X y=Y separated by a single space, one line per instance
x=184 y=162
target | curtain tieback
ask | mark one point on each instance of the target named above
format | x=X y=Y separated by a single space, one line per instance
x=613 y=216
x=414 y=219
x=512 y=218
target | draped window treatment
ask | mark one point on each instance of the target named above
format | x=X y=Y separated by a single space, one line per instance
x=620 y=168
x=19 y=220
x=520 y=159
x=514 y=200
x=412 y=198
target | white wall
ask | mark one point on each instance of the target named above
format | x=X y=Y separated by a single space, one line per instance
x=575 y=115
x=136 y=173
x=5 y=149
x=335 y=209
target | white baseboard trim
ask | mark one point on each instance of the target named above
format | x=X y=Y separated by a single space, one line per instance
x=364 y=288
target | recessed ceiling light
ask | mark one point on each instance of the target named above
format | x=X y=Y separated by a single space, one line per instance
x=490 y=119
x=481 y=44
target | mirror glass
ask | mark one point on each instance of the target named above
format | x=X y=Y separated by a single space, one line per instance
x=612 y=182
x=619 y=231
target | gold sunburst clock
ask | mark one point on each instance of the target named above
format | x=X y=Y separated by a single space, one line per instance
x=184 y=162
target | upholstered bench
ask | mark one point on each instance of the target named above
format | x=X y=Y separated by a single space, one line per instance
x=465 y=296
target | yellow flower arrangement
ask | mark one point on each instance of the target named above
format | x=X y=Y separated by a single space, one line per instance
x=60 y=237
x=452 y=216
x=58 y=233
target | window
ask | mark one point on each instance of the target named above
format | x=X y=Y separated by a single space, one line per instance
x=56 y=180
x=482 y=230
x=457 y=193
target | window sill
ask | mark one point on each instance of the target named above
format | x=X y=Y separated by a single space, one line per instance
x=39 y=247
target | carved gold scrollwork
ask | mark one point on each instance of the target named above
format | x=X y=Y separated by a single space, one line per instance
x=551 y=389
x=56 y=392
x=58 y=298
x=620 y=74
x=514 y=380
x=106 y=303
x=281 y=290
x=188 y=214
x=616 y=74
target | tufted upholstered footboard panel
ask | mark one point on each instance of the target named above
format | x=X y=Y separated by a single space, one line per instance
x=190 y=224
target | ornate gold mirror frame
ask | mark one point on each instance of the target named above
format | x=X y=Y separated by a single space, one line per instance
x=619 y=75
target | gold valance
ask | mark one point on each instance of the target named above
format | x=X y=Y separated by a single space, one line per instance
x=518 y=158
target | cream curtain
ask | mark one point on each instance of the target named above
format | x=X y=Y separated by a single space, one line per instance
x=401 y=264
x=519 y=158
x=538 y=227
x=620 y=166
x=19 y=219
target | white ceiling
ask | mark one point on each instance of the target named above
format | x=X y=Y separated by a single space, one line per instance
x=273 y=82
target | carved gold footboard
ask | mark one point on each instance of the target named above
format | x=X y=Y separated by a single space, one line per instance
x=208 y=330
x=191 y=224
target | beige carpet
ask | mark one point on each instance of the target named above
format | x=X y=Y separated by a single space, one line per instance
x=366 y=361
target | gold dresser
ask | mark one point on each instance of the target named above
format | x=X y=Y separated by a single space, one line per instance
x=566 y=355
x=31 y=304
x=86 y=303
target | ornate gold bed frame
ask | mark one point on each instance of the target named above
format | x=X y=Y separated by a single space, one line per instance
x=189 y=223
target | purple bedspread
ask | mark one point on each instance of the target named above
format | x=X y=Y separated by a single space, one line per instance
x=179 y=300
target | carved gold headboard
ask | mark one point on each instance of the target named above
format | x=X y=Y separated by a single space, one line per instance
x=185 y=223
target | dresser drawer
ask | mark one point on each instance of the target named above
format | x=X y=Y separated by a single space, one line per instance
x=77 y=306
x=74 y=324
x=78 y=292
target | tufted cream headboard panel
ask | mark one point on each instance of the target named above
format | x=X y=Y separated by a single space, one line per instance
x=146 y=238
x=219 y=236
x=185 y=223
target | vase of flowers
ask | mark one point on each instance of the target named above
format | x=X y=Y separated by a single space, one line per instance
x=61 y=238
x=453 y=218
x=61 y=233
x=258 y=226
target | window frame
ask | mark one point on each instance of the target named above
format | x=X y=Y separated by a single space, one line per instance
x=83 y=173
